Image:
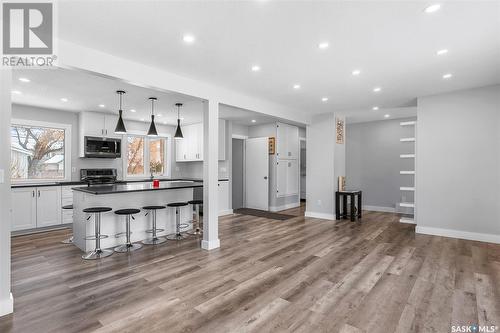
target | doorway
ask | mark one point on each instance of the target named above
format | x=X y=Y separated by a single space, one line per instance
x=238 y=173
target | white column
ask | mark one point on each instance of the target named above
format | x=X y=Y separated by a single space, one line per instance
x=210 y=175
x=6 y=302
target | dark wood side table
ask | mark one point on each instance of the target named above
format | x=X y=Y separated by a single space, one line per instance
x=342 y=195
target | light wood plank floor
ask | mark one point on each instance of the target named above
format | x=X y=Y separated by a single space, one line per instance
x=299 y=275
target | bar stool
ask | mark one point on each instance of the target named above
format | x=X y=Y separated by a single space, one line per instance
x=196 y=207
x=67 y=240
x=128 y=246
x=178 y=235
x=154 y=240
x=98 y=252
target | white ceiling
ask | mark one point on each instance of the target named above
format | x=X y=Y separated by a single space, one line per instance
x=393 y=43
x=85 y=92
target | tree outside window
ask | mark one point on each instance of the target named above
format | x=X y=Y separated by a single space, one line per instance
x=157 y=156
x=37 y=153
x=135 y=155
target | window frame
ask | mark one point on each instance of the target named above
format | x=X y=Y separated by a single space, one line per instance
x=67 y=149
x=147 y=173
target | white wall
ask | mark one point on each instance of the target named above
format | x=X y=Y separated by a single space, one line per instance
x=325 y=162
x=5 y=198
x=458 y=164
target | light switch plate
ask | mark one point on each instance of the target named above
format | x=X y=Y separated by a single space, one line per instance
x=2 y=176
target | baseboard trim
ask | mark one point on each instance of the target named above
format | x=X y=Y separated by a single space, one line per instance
x=474 y=236
x=7 y=306
x=210 y=245
x=380 y=209
x=225 y=212
x=284 y=207
x=323 y=216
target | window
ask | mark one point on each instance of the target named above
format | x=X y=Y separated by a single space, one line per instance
x=146 y=156
x=38 y=151
x=135 y=151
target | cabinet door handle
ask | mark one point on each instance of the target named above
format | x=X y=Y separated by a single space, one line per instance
x=39 y=193
x=33 y=193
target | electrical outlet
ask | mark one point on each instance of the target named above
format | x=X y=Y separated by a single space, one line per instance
x=177 y=168
x=73 y=169
x=319 y=202
x=223 y=169
x=2 y=176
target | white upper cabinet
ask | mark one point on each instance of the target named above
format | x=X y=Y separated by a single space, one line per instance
x=287 y=141
x=190 y=148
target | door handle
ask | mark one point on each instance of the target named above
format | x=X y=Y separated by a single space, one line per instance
x=265 y=177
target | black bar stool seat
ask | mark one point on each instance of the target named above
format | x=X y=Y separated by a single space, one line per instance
x=67 y=240
x=128 y=246
x=196 y=208
x=178 y=234
x=154 y=240
x=98 y=252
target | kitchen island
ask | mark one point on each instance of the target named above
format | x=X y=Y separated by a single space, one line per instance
x=129 y=195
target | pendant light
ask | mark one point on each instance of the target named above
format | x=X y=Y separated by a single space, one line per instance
x=120 y=125
x=152 y=128
x=178 y=131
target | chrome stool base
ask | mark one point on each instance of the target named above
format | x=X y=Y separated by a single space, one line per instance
x=68 y=240
x=97 y=254
x=128 y=248
x=177 y=237
x=154 y=241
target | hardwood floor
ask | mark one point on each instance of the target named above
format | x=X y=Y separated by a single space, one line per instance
x=298 y=275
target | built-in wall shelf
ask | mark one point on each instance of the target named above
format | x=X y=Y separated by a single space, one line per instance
x=407 y=123
x=407 y=220
x=408 y=160
x=404 y=188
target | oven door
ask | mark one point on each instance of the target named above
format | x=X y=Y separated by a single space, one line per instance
x=96 y=147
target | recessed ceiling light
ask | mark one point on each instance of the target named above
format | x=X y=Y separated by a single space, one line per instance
x=255 y=68
x=164 y=123
x=17 y=92
x=447 y=76
x=432 y=8
x=323 y=45
x=23 y=79
x=296 y=86
x=356 y=72
x=324 y=99
x=254 y=121
x=375 y=108
x=387 y=115
x=142 y=119
x=64 y=99
x=132 y=110
x=181 y=118
x=102 y=105
x=189 y=39
x=441 y=52
x=160 y=115
x=377 y=89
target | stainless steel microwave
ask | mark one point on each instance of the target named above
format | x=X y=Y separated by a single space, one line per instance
x=97 y=147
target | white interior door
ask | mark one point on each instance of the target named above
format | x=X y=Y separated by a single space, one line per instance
x=257 y=173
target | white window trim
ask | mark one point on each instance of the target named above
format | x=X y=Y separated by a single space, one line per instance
x=147 y=173
x=67 y=149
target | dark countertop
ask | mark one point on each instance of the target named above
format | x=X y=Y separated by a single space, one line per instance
x=70 y=183
x=137 y=187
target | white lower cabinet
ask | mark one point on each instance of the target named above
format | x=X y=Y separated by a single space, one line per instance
x=36 y=207
x=23 y=208
x=287 y=178
x=224 y=208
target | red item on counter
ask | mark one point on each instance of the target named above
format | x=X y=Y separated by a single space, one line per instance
x=156 y=183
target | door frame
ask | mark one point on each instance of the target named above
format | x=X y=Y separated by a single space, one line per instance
x=243 y=138
x=300 y=162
